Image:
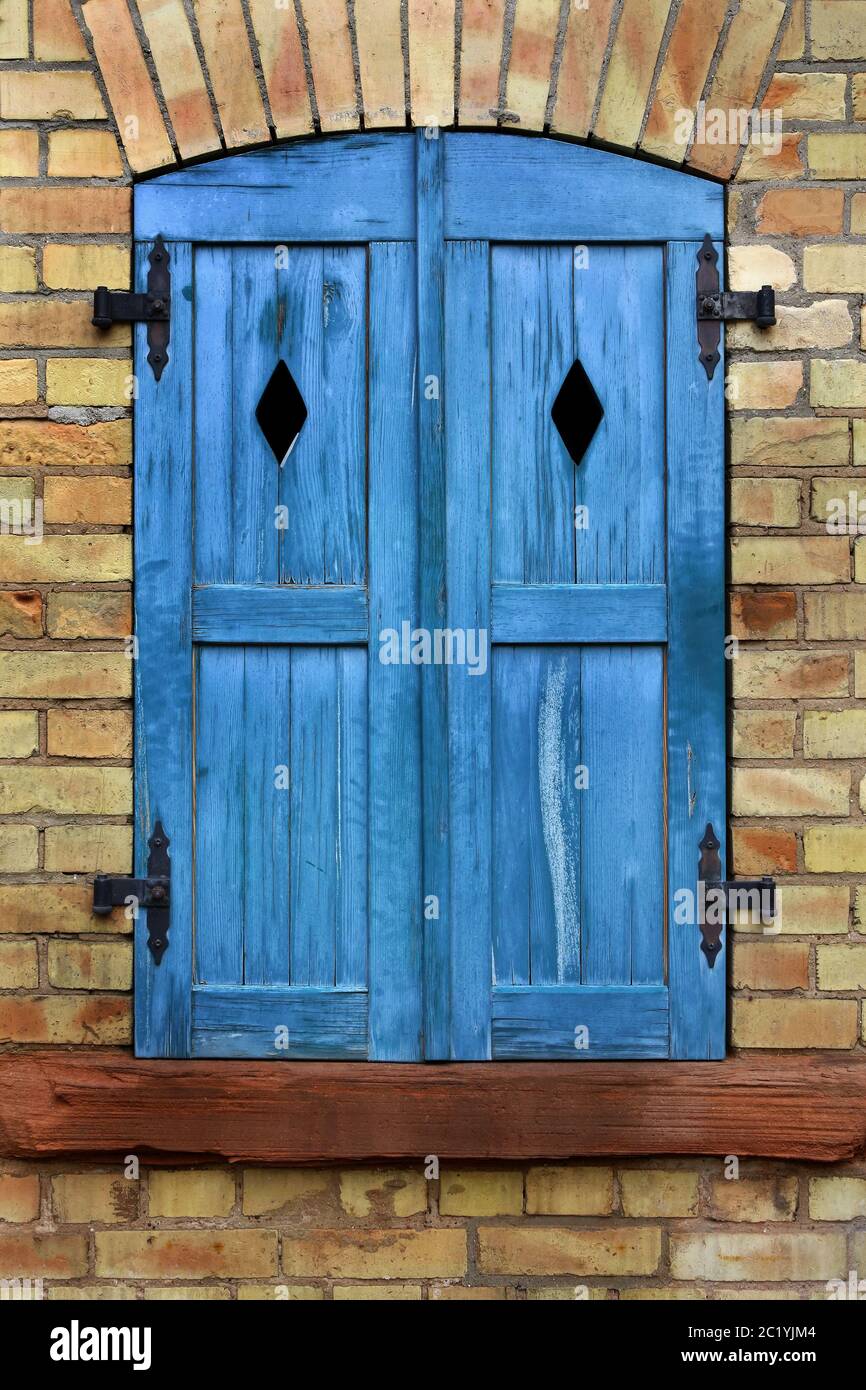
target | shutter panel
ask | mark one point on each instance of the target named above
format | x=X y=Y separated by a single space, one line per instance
x=499 y=429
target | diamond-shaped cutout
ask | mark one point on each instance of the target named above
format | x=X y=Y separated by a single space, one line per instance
x=281 y=412
x=577 y=412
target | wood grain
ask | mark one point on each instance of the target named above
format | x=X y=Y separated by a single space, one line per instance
x=61 y=1105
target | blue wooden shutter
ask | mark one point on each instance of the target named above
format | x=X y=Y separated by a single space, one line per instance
x=431 y=879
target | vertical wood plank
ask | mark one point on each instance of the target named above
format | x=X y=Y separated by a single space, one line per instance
x=255 y=487
x=220 y=816
x=352 y=888
x=163 y=671
x=513 y=681
x=322 y=295
x=467 y=374
x=623 y=817
x=696 y=674
x=432 y=601
x=214 y=410
x=396 y=1021
x=533 y=477
x=266 y=815
x=619 y=317
x=314 y=815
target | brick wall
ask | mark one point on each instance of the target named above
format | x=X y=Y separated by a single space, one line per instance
x=72 y=133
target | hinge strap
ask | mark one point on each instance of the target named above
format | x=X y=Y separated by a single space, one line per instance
x=713 y=306
x=152 y=308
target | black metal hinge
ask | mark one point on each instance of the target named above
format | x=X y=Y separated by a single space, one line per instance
x=152 y=308
x=153 y=893
x=719 y=899
x=715 y=306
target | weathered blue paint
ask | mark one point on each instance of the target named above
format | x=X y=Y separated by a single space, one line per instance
x=398 y=861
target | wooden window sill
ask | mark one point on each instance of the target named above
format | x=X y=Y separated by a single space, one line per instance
x=63 y=1105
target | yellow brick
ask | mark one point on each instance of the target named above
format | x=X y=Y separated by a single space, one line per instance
x=835 y=849
x=190 y=1193
x=19 y=1197
x=300 y=1191
x=90 y=964
x=763 y=733
x=94 y=1019
x=569 y=1191
x=86 y=1197
x=522 y=1250
x=98 y=613
x=19 y=733
x=750 y=37
x=368 y=1293
x=20 y=613
x=794 y=791
x=129 y=86
x=93 y=791
x=838 y=383
x=14 y=30
x=824 y=325
x=91 y=1293
x=18 y=384
x=460 y=1293
x=48 y=322
x=92 y=500
x=837 y=1199
x=50 y=96
x=797 y=443
x=281 y=1293
x=765 y=965
x=19 y=154
x=790 y=560
x=839 y=29
x=789 y=675
x=187 y=1253
x=46 y=907
x=65 y=558
x=383 y=1192
x=64 y=675
x=85 y=265
x=814 y=909
x=760 y=163
x=223 y=36
x=83 y=154
x=753 y=1199
x=174 y=54
x=88 y=849
x=19 y=848
x=532 y=50
x=858 y=206
x=19 y=969
x=859 y=431
x=762 y=385
x=793 y=44
x=794 y=1023
x=749 y=1256
x=102 y=210
x=25 y=1255
x=750 y=267
x=17 y=268
x=630 y=70
x=658 y=1192
x=765 y=501
x=472 y=1192
x=829 y=267
x=56 y=35
x=841 y=967
x=817 y=96
x=431 y=62
x=198 y=1293
x=88 y=381
x=832 y=495
x=74 y=733
x=860 y=560
x=834 y=733
x=837 y=156
x=835 y=615
x=372 y=1254
x=380 y=61
x=858 y=86
x=26 y=442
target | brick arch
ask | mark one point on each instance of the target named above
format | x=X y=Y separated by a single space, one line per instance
x=191 y=79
